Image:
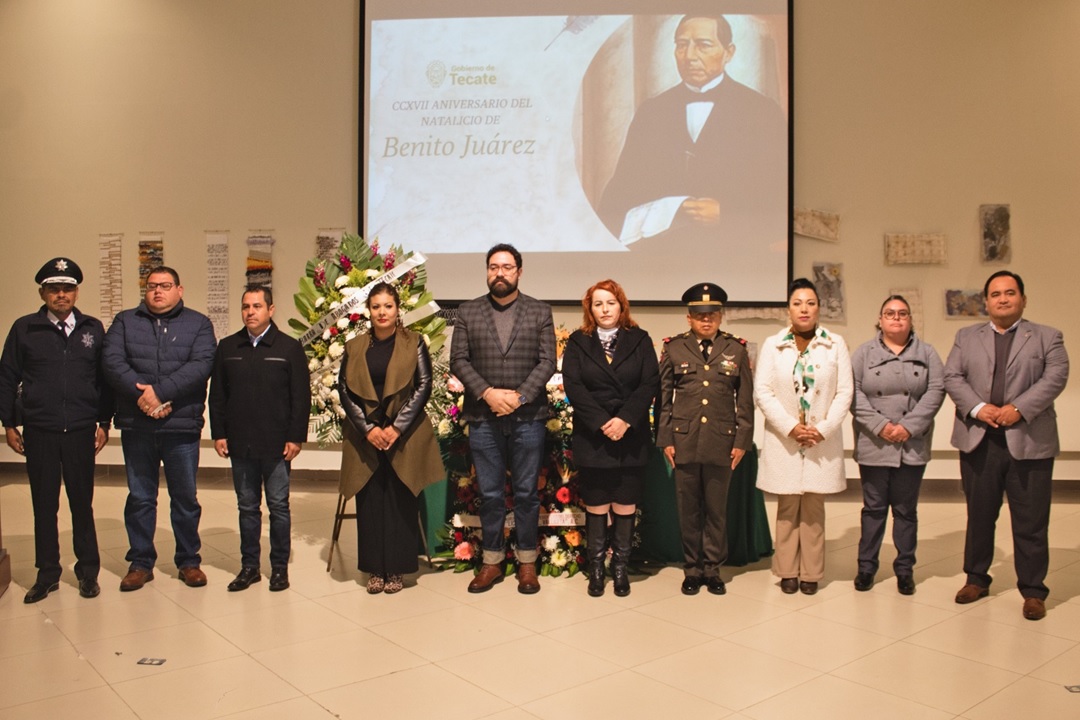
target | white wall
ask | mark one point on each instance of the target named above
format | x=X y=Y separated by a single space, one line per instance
x=182 y=117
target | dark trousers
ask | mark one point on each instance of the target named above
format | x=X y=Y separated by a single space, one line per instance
x=497 y=446
x=249 y=477
x=701 y=493
x=144 y=454
x=988 y=472
x=387 y=524
x=50 y=456
x=882 y=488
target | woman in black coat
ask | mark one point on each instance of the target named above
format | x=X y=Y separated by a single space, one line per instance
x=611 y=378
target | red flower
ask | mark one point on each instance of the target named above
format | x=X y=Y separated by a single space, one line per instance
x=345 y=263
x=333 y=331
x=354 y=317
x=563 y=494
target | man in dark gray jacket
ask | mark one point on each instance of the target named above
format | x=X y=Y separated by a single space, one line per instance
x=503 y=351
x=158 y=358
x=1003 y=376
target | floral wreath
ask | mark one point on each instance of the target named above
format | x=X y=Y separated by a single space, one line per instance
x=331 y=299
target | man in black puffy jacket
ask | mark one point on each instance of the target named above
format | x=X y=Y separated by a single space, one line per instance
x=158 y=358
x=55 y=354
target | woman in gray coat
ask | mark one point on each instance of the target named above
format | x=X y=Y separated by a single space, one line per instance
x=899 y=387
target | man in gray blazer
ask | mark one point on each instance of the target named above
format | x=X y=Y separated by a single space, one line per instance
x=1003 y=377
x=503 y=351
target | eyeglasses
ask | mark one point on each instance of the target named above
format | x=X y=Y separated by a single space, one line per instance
x=505 y=268
x=166 y=286
x=896 y=314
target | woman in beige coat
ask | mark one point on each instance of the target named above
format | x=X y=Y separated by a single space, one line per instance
x=389 y=453
x=803 y=386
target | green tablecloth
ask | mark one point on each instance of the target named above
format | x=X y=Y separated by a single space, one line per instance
x=749 y=538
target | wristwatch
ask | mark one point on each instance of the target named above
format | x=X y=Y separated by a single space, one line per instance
x=522 y=399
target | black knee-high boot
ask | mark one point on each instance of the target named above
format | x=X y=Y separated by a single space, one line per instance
x=596 y=536
x=622 y=536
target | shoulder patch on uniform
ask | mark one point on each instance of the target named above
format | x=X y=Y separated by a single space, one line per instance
x=677 y=337
x=736 y=338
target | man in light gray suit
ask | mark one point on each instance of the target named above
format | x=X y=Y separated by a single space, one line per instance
x=503 y=351
x=1003 y=377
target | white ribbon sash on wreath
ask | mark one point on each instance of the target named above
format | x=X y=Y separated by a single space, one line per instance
x=415 y=260
x=564 y=518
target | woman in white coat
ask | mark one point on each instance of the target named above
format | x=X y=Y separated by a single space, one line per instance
x=803 y=386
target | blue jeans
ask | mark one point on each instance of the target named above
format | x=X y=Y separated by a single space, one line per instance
x=249 y=476
x=496 y=446
x=144 y=453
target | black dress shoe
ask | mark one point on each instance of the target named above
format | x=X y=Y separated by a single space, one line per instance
x=279 y=579
x=715 y=585
x=89 y=588
x=905 y=584
x=691 y=584
x=243 y=581
x=807 y=588
x=39 y=592
x=789 y=586
x=864 y=581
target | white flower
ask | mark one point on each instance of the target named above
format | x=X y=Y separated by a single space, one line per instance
x=559 y=558
x=363 y=310
x=320 y=301
x=340 y=412
x=341 y=281
x=313 y=364
x=349 y=291
x=328 y=380
x=343 y=322
x=372 y=273
x=456 y=521
x=336 y=350
x=326 y=334
x=350 y=335
x=454 y=385
x=335 y=397
x=551 y=542
x=413 y=299
x=334 y=305
x=444 y=427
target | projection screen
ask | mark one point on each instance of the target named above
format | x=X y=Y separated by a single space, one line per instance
x=649 y=142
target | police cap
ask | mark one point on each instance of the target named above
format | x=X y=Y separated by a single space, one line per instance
x=59 y=270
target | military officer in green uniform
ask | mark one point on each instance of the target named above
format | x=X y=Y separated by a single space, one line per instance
x=706 y=425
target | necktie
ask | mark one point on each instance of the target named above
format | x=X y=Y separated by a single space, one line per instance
x=63 y=327
x=705 y=346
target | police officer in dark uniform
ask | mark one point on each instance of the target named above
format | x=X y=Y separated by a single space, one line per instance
x=706 y=425
x=51 y=372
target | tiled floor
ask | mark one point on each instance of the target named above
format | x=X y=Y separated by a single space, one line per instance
x=326 y=649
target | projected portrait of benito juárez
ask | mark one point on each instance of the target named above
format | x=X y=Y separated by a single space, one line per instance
x=705 y=160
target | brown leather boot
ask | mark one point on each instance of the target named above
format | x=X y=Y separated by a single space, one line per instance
x=528 y=583
x=488 y=576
